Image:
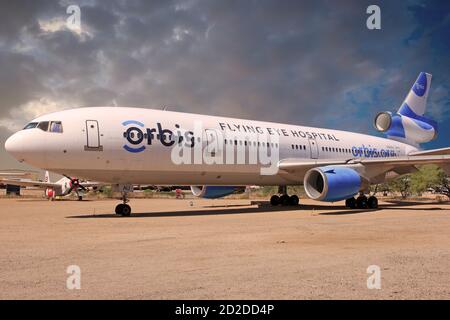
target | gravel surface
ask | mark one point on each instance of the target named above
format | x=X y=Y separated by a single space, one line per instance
x=223 y=249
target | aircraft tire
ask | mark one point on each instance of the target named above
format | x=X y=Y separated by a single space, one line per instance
x=350 y=203
x=285 y=200
x=294 y=200
x=126 y=210
x=361 y=202
x=119 y=209
x=275 y=200
x=123 y=210
x=372 y=202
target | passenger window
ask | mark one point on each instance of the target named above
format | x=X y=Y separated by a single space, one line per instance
x=56 y=126
x=43 y=125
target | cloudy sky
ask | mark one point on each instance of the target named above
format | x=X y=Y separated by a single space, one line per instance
x=300 y=62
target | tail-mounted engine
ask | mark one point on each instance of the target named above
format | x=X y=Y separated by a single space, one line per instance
x=413 y=128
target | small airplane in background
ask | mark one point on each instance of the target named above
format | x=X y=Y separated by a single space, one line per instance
x=63 y=187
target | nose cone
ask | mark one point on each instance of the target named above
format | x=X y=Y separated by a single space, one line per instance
x=28 y=146
x=14 y=146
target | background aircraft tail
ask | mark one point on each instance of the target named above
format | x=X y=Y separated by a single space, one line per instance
x=47 y=177
x=409 y=123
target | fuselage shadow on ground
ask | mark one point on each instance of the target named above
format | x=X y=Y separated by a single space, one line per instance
x=265 y=208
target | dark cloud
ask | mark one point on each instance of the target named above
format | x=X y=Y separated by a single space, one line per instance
x=306 y=62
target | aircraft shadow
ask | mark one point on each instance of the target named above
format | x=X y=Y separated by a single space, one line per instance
x=58 y=200
x=226 y=210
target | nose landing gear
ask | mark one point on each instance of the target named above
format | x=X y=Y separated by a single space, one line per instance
x=124 y=209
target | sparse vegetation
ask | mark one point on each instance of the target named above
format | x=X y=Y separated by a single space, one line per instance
x=429 y=178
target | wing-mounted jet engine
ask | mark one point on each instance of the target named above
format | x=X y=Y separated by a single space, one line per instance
x=332 y=183
x=336 y=183
x=214 y=192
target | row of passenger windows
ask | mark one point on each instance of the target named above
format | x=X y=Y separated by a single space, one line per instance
x=249 y=143
x=324 y=149
x=50 y=126
x=340 y=150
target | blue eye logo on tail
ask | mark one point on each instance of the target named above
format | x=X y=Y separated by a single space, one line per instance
x=420 y=86
x=134 y=135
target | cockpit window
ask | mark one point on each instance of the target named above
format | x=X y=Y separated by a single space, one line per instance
x=53 y=126
x=56 y=126
x=31 y=125
x=43 y=125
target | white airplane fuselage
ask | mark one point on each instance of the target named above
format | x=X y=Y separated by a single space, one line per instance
x=93 y=145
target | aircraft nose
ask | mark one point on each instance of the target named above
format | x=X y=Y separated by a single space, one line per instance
x=27 y=146
x=14 y=146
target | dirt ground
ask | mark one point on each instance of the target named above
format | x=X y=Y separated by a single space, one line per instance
x=222 y=249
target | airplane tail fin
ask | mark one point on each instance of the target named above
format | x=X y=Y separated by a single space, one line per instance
x=416 y=100
x=409 y=123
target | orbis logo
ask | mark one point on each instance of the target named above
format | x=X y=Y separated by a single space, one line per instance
x=420 y=86
x=138 y=137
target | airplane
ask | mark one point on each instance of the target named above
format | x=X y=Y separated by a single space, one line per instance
x=219 y=156
x=61 y=188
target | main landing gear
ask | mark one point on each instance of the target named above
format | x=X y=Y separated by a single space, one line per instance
x=284 y=199
x=362 y=202
x=124 y=209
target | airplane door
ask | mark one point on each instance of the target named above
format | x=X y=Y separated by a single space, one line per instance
x=92 y=136
x=314 y=148
x=213 y=148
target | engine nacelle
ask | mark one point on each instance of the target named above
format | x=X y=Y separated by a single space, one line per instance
x=332 y=183
x=407 y=125
x=213 y=192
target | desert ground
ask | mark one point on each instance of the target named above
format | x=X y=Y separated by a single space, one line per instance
x=223 y=249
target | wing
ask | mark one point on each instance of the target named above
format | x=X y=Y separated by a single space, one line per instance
x=29 y=183
x=442 y=151
x=374 y=166
x=295 y=164
x=91 y=184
